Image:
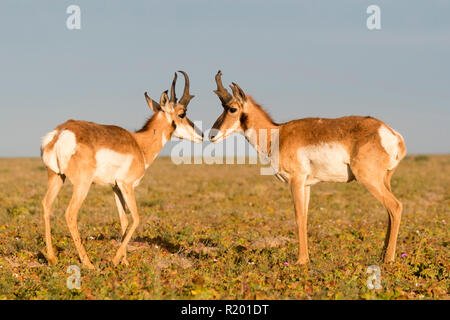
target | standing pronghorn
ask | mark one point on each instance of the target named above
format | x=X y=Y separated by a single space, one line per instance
x=317 y=149
x=86 y=153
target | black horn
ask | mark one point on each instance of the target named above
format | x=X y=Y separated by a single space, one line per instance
x=223 y=94
x=173 y=97
x=186 y=96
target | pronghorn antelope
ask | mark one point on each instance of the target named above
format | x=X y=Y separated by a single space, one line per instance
x=87 y=152
x=316 y=149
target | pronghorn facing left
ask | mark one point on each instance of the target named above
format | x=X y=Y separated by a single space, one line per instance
x=86 y=153
x=312 y=150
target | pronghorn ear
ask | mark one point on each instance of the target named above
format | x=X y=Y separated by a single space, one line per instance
x=238 y=93
x=152 y=104
x=164 y=101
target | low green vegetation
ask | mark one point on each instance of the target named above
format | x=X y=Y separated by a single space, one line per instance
x=226 y=232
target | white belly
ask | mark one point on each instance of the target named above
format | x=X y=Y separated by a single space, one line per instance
x=325 y=162
x=111 y=166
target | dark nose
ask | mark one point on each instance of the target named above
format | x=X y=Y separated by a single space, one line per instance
x=200 y=133
x=213 y=133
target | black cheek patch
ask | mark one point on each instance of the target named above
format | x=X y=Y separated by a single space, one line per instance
x=243 y=119
x=174 y=126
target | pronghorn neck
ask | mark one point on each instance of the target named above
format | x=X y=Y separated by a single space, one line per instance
x=258 y=126
x=153 y=136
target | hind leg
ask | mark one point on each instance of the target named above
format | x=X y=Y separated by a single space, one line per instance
x=370 y=167
x=387 y=178
x=387 y=183
x=374 y=181
x=54 y=184
x=81 y=176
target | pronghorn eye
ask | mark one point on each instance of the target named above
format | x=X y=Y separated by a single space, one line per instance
x=233 y=110
x=182 y=115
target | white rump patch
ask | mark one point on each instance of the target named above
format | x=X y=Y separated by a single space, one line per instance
x=65 y=148
x=59 y=156
x=324 y=162
x=49 y=157
x=389 y=141
x=47 y=139
x=111 y=166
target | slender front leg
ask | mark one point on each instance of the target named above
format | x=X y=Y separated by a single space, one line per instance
x=299 y=194
x=128 y=194
x=307 y=194
x=121 y=207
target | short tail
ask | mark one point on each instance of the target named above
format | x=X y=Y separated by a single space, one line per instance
x=401 y=147
x=48 y=153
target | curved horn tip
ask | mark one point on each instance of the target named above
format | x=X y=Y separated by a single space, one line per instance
x=173 y=95
x=184 y=73
x=186 y=96
x=175 y=76
x=237 y=86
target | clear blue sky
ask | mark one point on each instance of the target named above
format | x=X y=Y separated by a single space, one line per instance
x=297 y=58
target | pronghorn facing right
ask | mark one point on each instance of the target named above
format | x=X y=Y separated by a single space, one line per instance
x=318 y=149
x=87 y=152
